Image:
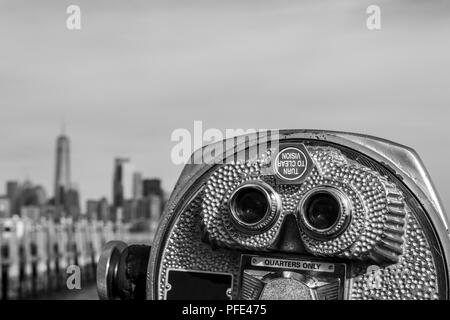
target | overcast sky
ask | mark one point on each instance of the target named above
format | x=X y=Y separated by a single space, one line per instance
x=140 y=69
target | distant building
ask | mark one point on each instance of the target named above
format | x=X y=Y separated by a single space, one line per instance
x=99 y=210
x=118 y=188
x=92 y=210
x=144 y=212
x=31 y=212
x=66 y=198
x=72 y=203
x=62 y=169
x=135 y=199
x=49 y=211
x=32 y=195
x=154 y=195
x=129 y=179
x=130 y=210
x=40 y=195
x=137 y=185
x=152 y=186
x=13 y=194
x=5 y=207
x=105 y=212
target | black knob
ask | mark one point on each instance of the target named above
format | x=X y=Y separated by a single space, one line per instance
x=122 y=270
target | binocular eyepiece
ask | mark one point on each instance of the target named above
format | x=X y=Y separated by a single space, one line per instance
x=292 y=214
x=324 y=213
x=254 y=206
x=321 y=211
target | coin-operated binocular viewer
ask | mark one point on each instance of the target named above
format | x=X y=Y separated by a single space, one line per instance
x=292 y=214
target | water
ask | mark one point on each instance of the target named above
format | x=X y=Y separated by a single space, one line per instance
x=89 y=292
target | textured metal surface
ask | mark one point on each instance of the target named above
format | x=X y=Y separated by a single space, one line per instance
x=378 y=213
x=395 y=238
x=376 y=231
x=286 y=285
x=413 y=277
x=186 y=251
x=286 y=289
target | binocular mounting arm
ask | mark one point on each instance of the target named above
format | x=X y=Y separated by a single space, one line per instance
x=122 y=270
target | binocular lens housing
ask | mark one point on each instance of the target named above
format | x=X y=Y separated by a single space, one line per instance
x=324 y=212
x=253 y=205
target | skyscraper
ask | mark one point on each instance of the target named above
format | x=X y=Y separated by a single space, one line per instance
x=118 y=192
x=154 y=197
x=62 y=169
x=72 y=202
x=137 y=185
x=152 y=186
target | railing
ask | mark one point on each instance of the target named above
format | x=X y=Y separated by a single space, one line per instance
x=41 y=257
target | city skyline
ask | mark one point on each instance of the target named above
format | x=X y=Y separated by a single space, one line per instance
x=66 y=193
x=60 y=177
